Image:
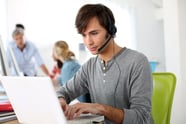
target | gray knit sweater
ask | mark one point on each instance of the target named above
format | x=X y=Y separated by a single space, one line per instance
x=125 y=83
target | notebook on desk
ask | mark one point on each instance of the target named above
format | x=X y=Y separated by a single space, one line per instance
x=5 y=105
x=34 y=101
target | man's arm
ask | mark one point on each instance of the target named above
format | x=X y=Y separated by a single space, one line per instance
x=44 y=69
x=113 y=114
x=140 y=93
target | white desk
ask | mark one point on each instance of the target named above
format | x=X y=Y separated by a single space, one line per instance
x=84 y=119
x=11 y=122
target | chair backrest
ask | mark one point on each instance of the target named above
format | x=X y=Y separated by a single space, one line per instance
x=162 y=98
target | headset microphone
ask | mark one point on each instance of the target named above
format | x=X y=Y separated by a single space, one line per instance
x=105 y=43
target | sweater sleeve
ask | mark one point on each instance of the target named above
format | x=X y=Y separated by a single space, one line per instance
x=140 y=92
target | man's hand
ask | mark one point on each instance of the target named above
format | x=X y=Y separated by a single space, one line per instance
x=75 y=110
x=113 y=114
x=63 y=103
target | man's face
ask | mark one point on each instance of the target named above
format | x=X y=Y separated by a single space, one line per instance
x=94 y=35
x=19 y=39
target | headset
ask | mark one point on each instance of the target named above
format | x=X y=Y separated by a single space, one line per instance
x=105 y=44
x=111 y=34
x=111 y=29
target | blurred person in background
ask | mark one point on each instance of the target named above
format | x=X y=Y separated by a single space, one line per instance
x=70 y=65
x=26 y=54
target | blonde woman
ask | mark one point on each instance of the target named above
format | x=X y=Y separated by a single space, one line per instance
x=67 y=57
x=70 y=65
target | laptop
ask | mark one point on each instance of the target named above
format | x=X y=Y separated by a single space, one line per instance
x=34 y=101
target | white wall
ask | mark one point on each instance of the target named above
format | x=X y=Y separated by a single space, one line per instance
x=3 y=20
x=182 y=38
x=182 y=30
x=175 y=30
x=149 y=32
x=148 y=28
x=3 y=24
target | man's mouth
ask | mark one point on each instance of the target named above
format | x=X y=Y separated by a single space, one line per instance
x=92 y=49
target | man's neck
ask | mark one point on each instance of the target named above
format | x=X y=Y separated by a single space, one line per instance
x=110 y=51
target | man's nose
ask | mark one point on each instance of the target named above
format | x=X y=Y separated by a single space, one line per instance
x=89 y=40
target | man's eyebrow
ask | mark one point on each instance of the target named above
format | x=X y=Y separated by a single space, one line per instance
x=92 y=31
x=96 y=30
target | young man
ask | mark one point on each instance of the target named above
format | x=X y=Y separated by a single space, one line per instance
x=25 y=53
x=118 y=79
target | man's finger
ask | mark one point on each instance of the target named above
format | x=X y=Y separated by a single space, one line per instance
x=71 y=112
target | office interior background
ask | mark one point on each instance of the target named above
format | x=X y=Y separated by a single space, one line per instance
x=155 y=27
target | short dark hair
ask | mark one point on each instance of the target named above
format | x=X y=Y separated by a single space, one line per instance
x=101 y=12
x=20 y=26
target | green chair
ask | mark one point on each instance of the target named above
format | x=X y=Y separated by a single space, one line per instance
x=162 y=98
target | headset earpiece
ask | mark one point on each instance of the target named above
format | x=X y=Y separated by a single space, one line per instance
x=112 y=30
x=110 y=26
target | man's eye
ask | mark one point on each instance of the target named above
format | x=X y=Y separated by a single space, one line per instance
x=83 y=35
x=94 y=33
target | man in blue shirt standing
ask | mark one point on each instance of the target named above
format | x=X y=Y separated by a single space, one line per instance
x=26 y=55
